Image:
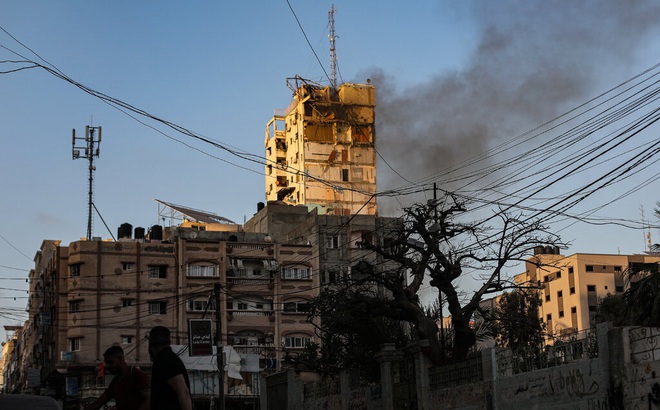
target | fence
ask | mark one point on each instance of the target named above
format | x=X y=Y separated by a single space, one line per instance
x=579 y=346
x=610 y=368
x=644 y=344
x=464 y=372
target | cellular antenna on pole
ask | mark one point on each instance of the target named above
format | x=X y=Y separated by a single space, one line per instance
x=646 y=230
x=333 y=51
x=88 y=151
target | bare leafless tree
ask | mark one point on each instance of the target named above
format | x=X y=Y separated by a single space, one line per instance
x=434 y=245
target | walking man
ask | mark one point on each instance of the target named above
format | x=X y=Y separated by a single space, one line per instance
x=170 y=387
x=129 y=387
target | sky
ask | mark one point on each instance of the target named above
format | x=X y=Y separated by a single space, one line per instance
x=453 y=81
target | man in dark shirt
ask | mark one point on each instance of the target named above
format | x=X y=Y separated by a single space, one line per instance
x=170 y=387
x=129 y=387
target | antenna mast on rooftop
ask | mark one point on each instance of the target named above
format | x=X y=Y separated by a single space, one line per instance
x=646 y=229
x=333 y=53
x=88 y=151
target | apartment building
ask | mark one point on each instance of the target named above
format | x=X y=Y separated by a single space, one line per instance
x=571 y=286
x=90 y=295
x=338 y=243
x=9 y=358
x=320 y=150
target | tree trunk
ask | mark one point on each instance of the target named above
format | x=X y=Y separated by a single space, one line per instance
x=464 y=337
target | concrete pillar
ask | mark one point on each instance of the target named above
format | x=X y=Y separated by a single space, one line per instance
x=489 y=364
x=345 y=378
x=602 y=336
x=295 y=393
x=615 y=358
x=422 y=364
x=385 y=357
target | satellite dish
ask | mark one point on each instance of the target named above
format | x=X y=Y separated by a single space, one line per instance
x=193 y=235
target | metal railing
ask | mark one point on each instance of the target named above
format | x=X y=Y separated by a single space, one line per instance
x=454 y=374
x=579 y=346
x=644 y=344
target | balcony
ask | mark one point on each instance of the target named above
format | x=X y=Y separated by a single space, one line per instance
x=240 y=282
x=250 y=250
x=250 y=318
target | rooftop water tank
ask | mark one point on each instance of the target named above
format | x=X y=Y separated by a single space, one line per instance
x=125 y=230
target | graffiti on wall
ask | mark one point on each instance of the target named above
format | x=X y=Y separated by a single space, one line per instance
x=572 y=383
x=471 y=394
x=358 y=400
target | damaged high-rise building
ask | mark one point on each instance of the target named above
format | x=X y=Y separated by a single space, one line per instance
x=320 y=149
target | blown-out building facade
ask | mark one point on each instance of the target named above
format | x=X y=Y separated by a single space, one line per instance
x=320 y=149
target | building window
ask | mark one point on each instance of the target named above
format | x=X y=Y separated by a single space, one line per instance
x=558 y=274
x=546 y=278
x=591 y=288
x=547 y=298
x=74 y=306
x=589 y=268
x=201 y=306
x=157 y=308
x=74 y=344
x=548 y=317
x=572 y=291
x=332 y=242
x=570 y=269
x=365 y=239
x=344 y=175
x=560 y=293
x=296 y=307
x=573 y=309
x=127 y=302
x=561 y=313
x=157 y=271
x=296 y=273
x=126 y=339
x=202 y=270
x=296 y=341
x=617 y=269
x=330 y=276
x=242 y=306
x=127 y=266
x=74 y=270
x=251 y=267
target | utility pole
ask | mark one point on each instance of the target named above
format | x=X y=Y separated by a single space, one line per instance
x=218 y=344
x=91 y=150
x=442 y=319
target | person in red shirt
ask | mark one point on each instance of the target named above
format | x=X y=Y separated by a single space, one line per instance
x=130 y=386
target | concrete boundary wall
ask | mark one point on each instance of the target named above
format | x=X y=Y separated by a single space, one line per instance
x=624 y=375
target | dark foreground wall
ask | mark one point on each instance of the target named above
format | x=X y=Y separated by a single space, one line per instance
x=623 y=374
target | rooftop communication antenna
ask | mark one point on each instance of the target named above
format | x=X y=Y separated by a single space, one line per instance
x=646 y=229
x=92 y=141
x=333 y=51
